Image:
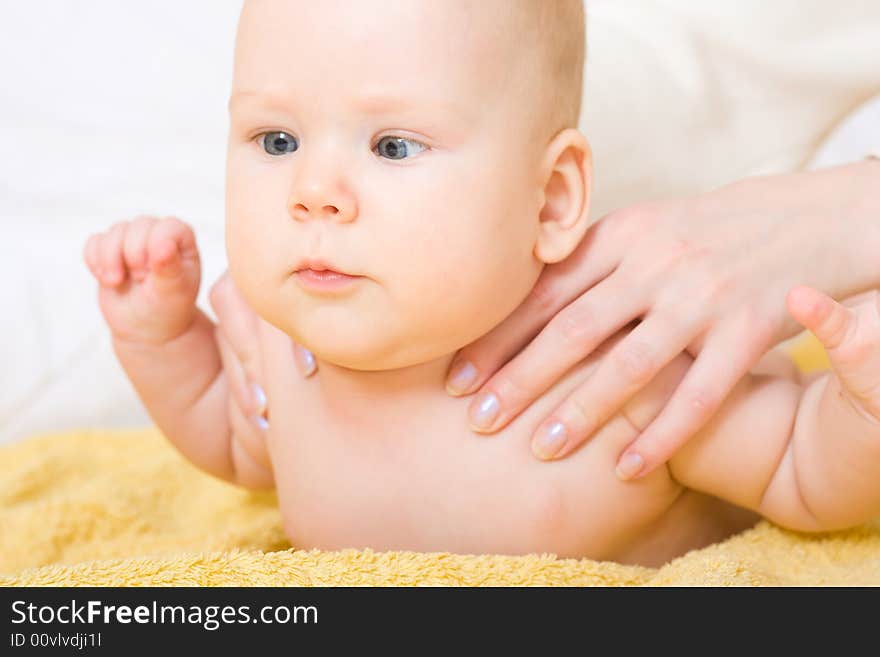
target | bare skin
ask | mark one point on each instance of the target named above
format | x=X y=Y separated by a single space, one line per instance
x=806 y=456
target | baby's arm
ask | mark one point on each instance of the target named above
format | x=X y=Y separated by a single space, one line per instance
x=148 y=272
x=806 y=457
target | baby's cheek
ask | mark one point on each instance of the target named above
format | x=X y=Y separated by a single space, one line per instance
x=495 y=274
x=650 y=400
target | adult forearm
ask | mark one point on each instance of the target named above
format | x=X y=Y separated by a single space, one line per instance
x=853 y=203
x=182 y=386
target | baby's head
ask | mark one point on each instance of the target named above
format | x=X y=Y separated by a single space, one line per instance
x=429 y=147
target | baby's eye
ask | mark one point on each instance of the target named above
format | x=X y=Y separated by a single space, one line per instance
x=278 y=143
x=395 y=148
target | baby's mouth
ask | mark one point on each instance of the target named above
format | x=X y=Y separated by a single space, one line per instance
x=324 y=274
x=324 y=280
x=320 y=266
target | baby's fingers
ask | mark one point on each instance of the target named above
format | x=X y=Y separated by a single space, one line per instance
x=119 y=251
x=90 y=255
x=828 y=320
x=851 y=336
x=110 y=261
x=171 y=248
x=134 y=246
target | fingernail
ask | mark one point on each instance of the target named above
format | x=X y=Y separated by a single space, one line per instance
x=549 y=440
x=629 y=465
x=306 y=360
x=259 y=397
x=484 y=411
x=262 y=422
x=463 y=376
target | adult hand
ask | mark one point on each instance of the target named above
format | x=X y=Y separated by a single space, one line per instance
x=707 y=274
x=238 y=340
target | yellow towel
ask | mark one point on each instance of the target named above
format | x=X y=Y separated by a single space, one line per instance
x=122 y=507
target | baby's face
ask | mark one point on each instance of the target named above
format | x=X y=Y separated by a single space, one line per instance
x=377 y=136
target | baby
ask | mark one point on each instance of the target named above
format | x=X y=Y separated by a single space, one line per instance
x=398 y=174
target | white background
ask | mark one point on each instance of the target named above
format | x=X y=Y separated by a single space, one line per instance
x=107 y=110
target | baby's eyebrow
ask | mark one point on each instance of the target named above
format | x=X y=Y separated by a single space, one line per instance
x=368 y=104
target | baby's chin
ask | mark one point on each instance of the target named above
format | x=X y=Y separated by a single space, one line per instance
x=372 y=358
x=365 y=351
x=377 y=335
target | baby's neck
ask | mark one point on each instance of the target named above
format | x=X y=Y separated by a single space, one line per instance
x=357 y=396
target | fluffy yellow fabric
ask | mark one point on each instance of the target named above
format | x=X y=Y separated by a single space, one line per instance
x=124 y=508
x=808 y=353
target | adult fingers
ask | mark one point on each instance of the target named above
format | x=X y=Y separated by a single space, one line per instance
x=569 y=337
x=628 y=367
x=247 y=434
x=250 y=460
x=239 y=323
x=305 y=360
x=727 y=355
x=559 y=284
x=275 y=345
x=251 y=406
x=238 y=326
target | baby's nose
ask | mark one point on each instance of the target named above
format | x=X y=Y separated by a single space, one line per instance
x=301 y=212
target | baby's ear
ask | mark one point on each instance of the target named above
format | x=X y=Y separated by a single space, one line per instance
x=567 y=175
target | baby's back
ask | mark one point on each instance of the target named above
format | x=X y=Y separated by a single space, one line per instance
x=425 y=482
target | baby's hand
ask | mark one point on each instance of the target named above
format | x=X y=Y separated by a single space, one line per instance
x=148 y=272
x=851 y=336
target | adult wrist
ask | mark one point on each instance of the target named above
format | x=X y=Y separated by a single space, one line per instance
x=874 y=214
x=863 y=215
x=842 y=226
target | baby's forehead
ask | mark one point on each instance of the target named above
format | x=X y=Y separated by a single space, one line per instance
x=455 y=44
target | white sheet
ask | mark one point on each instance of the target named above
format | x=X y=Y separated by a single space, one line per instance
x=112 y=109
